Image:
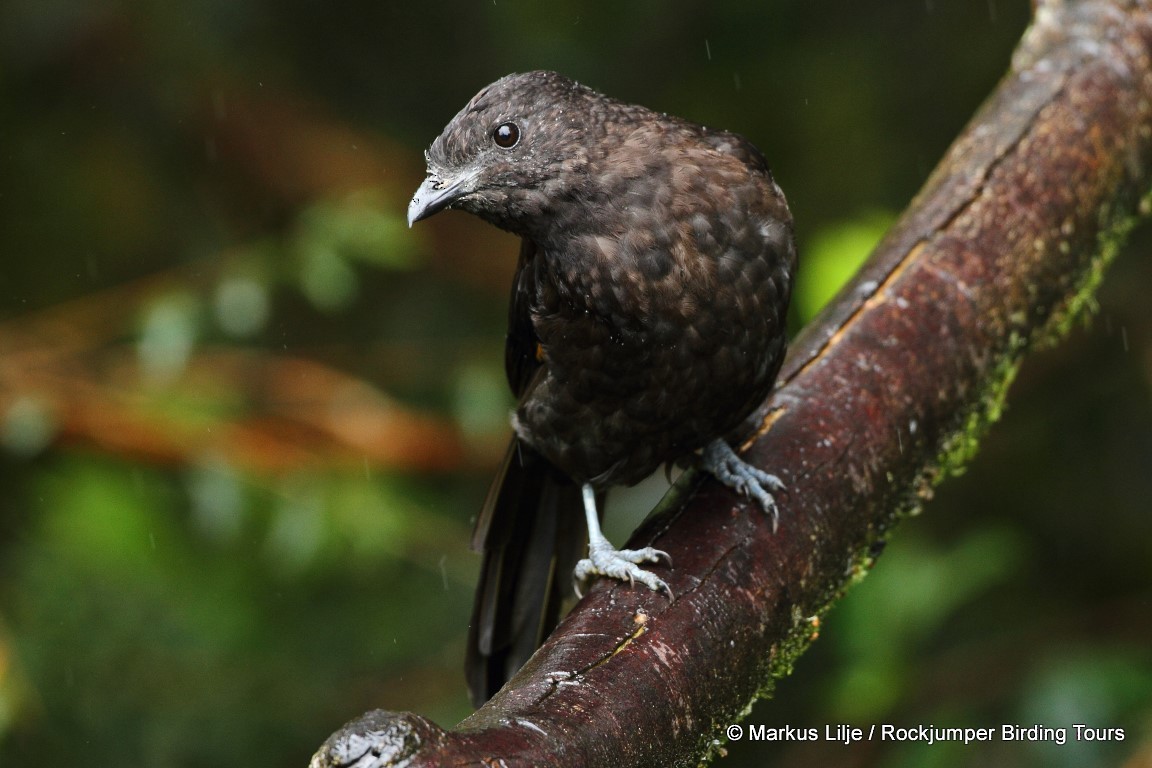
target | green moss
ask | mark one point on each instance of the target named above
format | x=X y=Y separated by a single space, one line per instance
x=961 y=446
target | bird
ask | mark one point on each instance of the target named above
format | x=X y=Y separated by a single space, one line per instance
x=646 y=323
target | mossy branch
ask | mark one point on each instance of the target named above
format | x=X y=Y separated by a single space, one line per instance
x=885 y=393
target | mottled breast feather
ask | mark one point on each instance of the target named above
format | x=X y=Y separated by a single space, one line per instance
x=656 y=292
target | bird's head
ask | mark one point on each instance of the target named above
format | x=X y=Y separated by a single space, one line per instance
x=519 y=145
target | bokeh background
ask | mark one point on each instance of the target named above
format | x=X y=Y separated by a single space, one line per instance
x=246 y=415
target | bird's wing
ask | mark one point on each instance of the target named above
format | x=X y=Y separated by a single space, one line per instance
x=521 y=365
x=522 y=346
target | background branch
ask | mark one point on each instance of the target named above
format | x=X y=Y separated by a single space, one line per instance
x=883 y=394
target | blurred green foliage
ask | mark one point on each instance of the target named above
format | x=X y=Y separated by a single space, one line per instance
x=210 y=305
x=833 y=255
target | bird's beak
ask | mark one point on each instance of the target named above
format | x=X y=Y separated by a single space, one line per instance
x=433 y=195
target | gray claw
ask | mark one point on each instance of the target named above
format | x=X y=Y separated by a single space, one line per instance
x=621 y=564
x=742 y=477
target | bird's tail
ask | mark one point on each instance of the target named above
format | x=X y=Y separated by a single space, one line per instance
x=531 y=533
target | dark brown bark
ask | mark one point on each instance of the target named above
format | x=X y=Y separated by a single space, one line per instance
x=883 y=394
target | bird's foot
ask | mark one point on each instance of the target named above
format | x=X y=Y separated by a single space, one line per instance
x=742 y=477
x=621 y=564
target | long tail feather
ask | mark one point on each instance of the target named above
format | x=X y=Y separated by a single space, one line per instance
x=531 y=533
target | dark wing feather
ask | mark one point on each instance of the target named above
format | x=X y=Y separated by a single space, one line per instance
x=521 y=361
x=520 y=366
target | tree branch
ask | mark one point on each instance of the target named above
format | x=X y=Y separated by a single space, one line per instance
x=883 y=394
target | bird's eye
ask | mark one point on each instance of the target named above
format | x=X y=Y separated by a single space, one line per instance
x=506 y=135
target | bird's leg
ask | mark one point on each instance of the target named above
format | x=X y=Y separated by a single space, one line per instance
x=742 y=477
x=605 y=560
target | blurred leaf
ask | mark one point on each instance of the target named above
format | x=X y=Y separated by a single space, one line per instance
x=902 y=604
x=28 y=426
x=219 y=504
x=833 y=256
x=242 y=305
x=167 y=336
x=331 y=235
x=481 y=402
x=325 y=277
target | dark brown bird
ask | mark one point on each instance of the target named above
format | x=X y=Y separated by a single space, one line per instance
x=646 y=323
